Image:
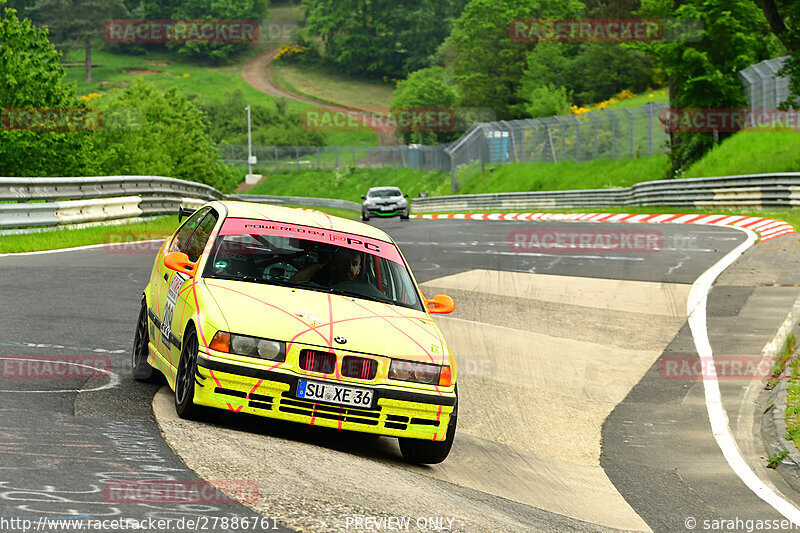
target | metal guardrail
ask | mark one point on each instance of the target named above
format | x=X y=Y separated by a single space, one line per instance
x=755 y=190
x=33 y=202
x=58 y=201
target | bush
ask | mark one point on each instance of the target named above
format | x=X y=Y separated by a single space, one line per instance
x=424 y=89
x=31 y=77
x=547 y=101
x=227 y=120
x=162 y=134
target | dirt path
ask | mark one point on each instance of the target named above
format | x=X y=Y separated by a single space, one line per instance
x=258 y=73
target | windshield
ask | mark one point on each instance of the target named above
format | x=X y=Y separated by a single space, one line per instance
x=384 y=193
x=290 y=255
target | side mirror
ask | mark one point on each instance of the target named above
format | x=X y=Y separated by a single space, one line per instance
x=363 y=197
x=179 y=262
x=184 y=212
x=440 y=304
x=405 y=196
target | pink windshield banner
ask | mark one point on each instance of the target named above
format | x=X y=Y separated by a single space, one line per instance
x=246 y=226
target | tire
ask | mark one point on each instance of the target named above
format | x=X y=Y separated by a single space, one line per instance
x=426 y=452
x=185 y=377
x=404 y=217
x=140 y=368
x=364 y=216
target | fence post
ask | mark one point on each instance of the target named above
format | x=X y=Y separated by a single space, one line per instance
x=563 y=137
x=336 y=163
x=317 y=150
x=594 y=129
x=297 y=157
x=353 y=152
x=577 y=138
x=613 y=120
x=650 y=128
x=630 y=127
x=277 y=166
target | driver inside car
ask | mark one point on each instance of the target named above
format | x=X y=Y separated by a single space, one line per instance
x=345 y=265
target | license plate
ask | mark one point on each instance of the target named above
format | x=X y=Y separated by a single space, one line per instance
x=334 y=393
x=387 y=208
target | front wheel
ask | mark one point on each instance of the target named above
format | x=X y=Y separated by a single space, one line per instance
x=426 y=452
x=185 y=378
x=141 y=369
x=404 y=217
x=364 y=216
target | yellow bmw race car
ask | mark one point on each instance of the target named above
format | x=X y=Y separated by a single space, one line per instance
x=297 y=315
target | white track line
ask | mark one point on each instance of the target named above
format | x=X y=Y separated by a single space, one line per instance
x=696 y=311
x=78 y=248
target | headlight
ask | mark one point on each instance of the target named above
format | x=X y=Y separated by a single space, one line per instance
x=249 y=346
x=416 y=372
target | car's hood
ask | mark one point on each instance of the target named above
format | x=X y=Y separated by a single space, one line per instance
x=318 y=318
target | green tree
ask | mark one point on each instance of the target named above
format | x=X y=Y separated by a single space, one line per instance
x=77 y=23
x=783 y=17
x=228 y=124
x=488 y=64
x=701 y=72
x=380 y=37
x=161 y=134
x=548 y=100
x=591 y=71
x=205 y=10
x=424 y=89
x=32 y=78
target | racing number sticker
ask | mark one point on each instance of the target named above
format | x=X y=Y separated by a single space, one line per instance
x=169 y=308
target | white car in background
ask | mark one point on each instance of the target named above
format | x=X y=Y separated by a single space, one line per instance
x=385 y=202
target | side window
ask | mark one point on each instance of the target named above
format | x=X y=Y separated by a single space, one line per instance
x=198 y=240
x=179 y=242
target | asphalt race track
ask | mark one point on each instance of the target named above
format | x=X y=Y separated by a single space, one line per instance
x=557 y=353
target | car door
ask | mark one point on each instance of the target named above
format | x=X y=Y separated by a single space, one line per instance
x=180 y=303
x=164 y=279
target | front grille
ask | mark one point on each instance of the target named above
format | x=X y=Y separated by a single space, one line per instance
x=295 y=406
x=359 y=367
x=316 y=361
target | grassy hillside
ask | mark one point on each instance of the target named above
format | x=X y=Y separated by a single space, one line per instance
x=751 y=152
x=200 y=83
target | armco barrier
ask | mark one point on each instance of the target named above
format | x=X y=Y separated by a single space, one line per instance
x=756 y=190
x=57 y=201
x=54 y=201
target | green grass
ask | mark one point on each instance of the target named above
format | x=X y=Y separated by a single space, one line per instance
x=203 y=84
x=793 y=403
x=331 y=88
x=348 y=183
x=598 y=174
x=67 y=237
x=751 y=152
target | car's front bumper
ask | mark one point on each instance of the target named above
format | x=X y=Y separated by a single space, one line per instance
x=393 y=212
x=272 y=393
